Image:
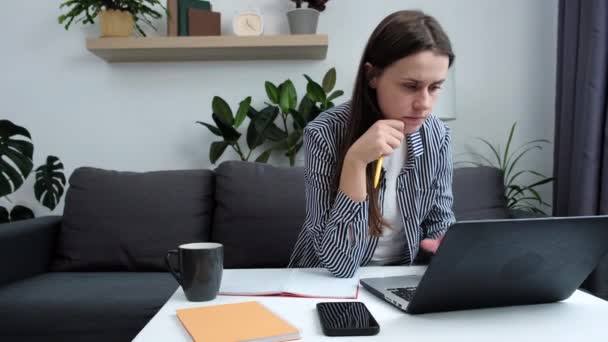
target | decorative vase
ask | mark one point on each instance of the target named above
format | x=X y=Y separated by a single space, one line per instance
x=303 y=20
x=113 y=23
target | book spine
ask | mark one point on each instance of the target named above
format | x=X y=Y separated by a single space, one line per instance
x=183 y=6
x=172 y=29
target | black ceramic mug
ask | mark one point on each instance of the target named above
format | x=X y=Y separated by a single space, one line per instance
x=200 y=269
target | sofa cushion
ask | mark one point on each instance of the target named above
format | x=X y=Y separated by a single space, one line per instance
x=118 y=221
x=259 y=212
x=479 y=194
x=74 y=306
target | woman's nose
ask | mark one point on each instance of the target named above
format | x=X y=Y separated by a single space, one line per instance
x=423 y=101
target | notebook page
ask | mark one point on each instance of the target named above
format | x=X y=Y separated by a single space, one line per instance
x=254 y=281
x=319 y=282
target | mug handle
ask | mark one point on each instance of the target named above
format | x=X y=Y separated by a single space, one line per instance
x=175 y=273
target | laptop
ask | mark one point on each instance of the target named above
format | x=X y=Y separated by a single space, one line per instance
x=493 y=263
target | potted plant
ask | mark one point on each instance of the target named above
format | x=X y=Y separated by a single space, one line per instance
x=304 y=20
x=117 y=18
x=16 y=152
x=284 y=138
x=519 y=196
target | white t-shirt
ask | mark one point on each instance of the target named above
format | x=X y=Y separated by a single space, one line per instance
x=392 y=244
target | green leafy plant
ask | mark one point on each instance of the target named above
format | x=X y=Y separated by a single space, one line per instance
x=16 y=152
x=226 y=125
x=86 y=11
x=521 y=197
x=319 y=5
x=283 y=138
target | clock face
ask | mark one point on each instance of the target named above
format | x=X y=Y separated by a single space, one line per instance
x=247 y=24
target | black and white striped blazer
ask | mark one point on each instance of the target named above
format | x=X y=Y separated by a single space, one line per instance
x=335 y=232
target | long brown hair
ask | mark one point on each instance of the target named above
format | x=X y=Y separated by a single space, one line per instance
x=399 y=35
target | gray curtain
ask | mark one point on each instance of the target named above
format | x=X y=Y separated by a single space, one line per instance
x=581 y=125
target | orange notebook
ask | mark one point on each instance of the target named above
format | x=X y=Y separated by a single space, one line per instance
x=247 y=321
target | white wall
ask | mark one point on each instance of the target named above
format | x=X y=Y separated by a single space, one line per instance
x=141 y=116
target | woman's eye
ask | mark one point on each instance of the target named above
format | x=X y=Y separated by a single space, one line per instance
x=410 y=86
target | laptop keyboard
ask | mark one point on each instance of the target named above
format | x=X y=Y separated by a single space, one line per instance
x=406 y=293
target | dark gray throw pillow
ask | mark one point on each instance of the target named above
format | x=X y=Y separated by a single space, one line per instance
x=127 y=221
x=259 y=213
x=479 y=194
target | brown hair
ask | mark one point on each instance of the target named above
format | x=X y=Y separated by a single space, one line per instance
x=399 y=35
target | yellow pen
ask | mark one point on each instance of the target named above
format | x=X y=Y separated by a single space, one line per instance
x=378 y=168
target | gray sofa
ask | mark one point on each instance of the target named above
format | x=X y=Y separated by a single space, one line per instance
x=97 y=273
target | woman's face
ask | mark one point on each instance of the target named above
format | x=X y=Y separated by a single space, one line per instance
x=407 y=89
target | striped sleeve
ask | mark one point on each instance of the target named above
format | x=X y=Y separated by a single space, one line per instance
x=337 y=226
x=441 y=216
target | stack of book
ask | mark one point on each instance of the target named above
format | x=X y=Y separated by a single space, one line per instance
x=192 y=18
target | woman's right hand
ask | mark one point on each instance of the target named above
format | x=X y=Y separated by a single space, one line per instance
x=381 y=139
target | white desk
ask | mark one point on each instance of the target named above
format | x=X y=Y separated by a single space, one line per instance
x=580 y=317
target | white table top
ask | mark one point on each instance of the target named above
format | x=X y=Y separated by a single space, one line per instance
x=580 y=317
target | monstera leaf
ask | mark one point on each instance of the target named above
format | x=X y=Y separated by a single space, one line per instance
x=15 y=147
x=4 y=218
x=50 y=182
x=18 y=213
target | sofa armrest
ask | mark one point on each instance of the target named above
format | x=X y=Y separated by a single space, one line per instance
x=522 y=214
x=27 y=247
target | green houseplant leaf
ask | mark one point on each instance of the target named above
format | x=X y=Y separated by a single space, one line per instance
x=260 y=121
x=254 y=138
x=263 y=157
x=265 y=118
x=50 y=182
x=329 y=80
x=20 y=212
x=274 y=133
x=241 y=114
x=507 y=147
x=288 y=98
x=298 y=119
x=335 y=95
x=221 y=108
x=495 y=152
x=306 y=108
x=15 y=146
x=272 y=92
x=230 y=134
x=4 y=218
x=293 y=138
x=216 y=150
x=212 y=128
x=314 y=91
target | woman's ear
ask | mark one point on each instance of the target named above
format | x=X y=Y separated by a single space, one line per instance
x=371 y=75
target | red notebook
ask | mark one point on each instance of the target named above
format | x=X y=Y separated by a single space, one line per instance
x=294 y=282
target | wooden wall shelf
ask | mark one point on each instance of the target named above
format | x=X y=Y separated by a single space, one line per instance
x=157 y=49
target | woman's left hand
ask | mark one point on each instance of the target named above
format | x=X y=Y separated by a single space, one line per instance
x=431 y=245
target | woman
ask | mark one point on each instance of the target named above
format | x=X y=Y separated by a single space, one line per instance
x=350 y=222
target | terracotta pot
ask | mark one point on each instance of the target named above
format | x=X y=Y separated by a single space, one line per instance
x=114 y=23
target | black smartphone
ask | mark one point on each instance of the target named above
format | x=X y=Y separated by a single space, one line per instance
x=346 y=319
